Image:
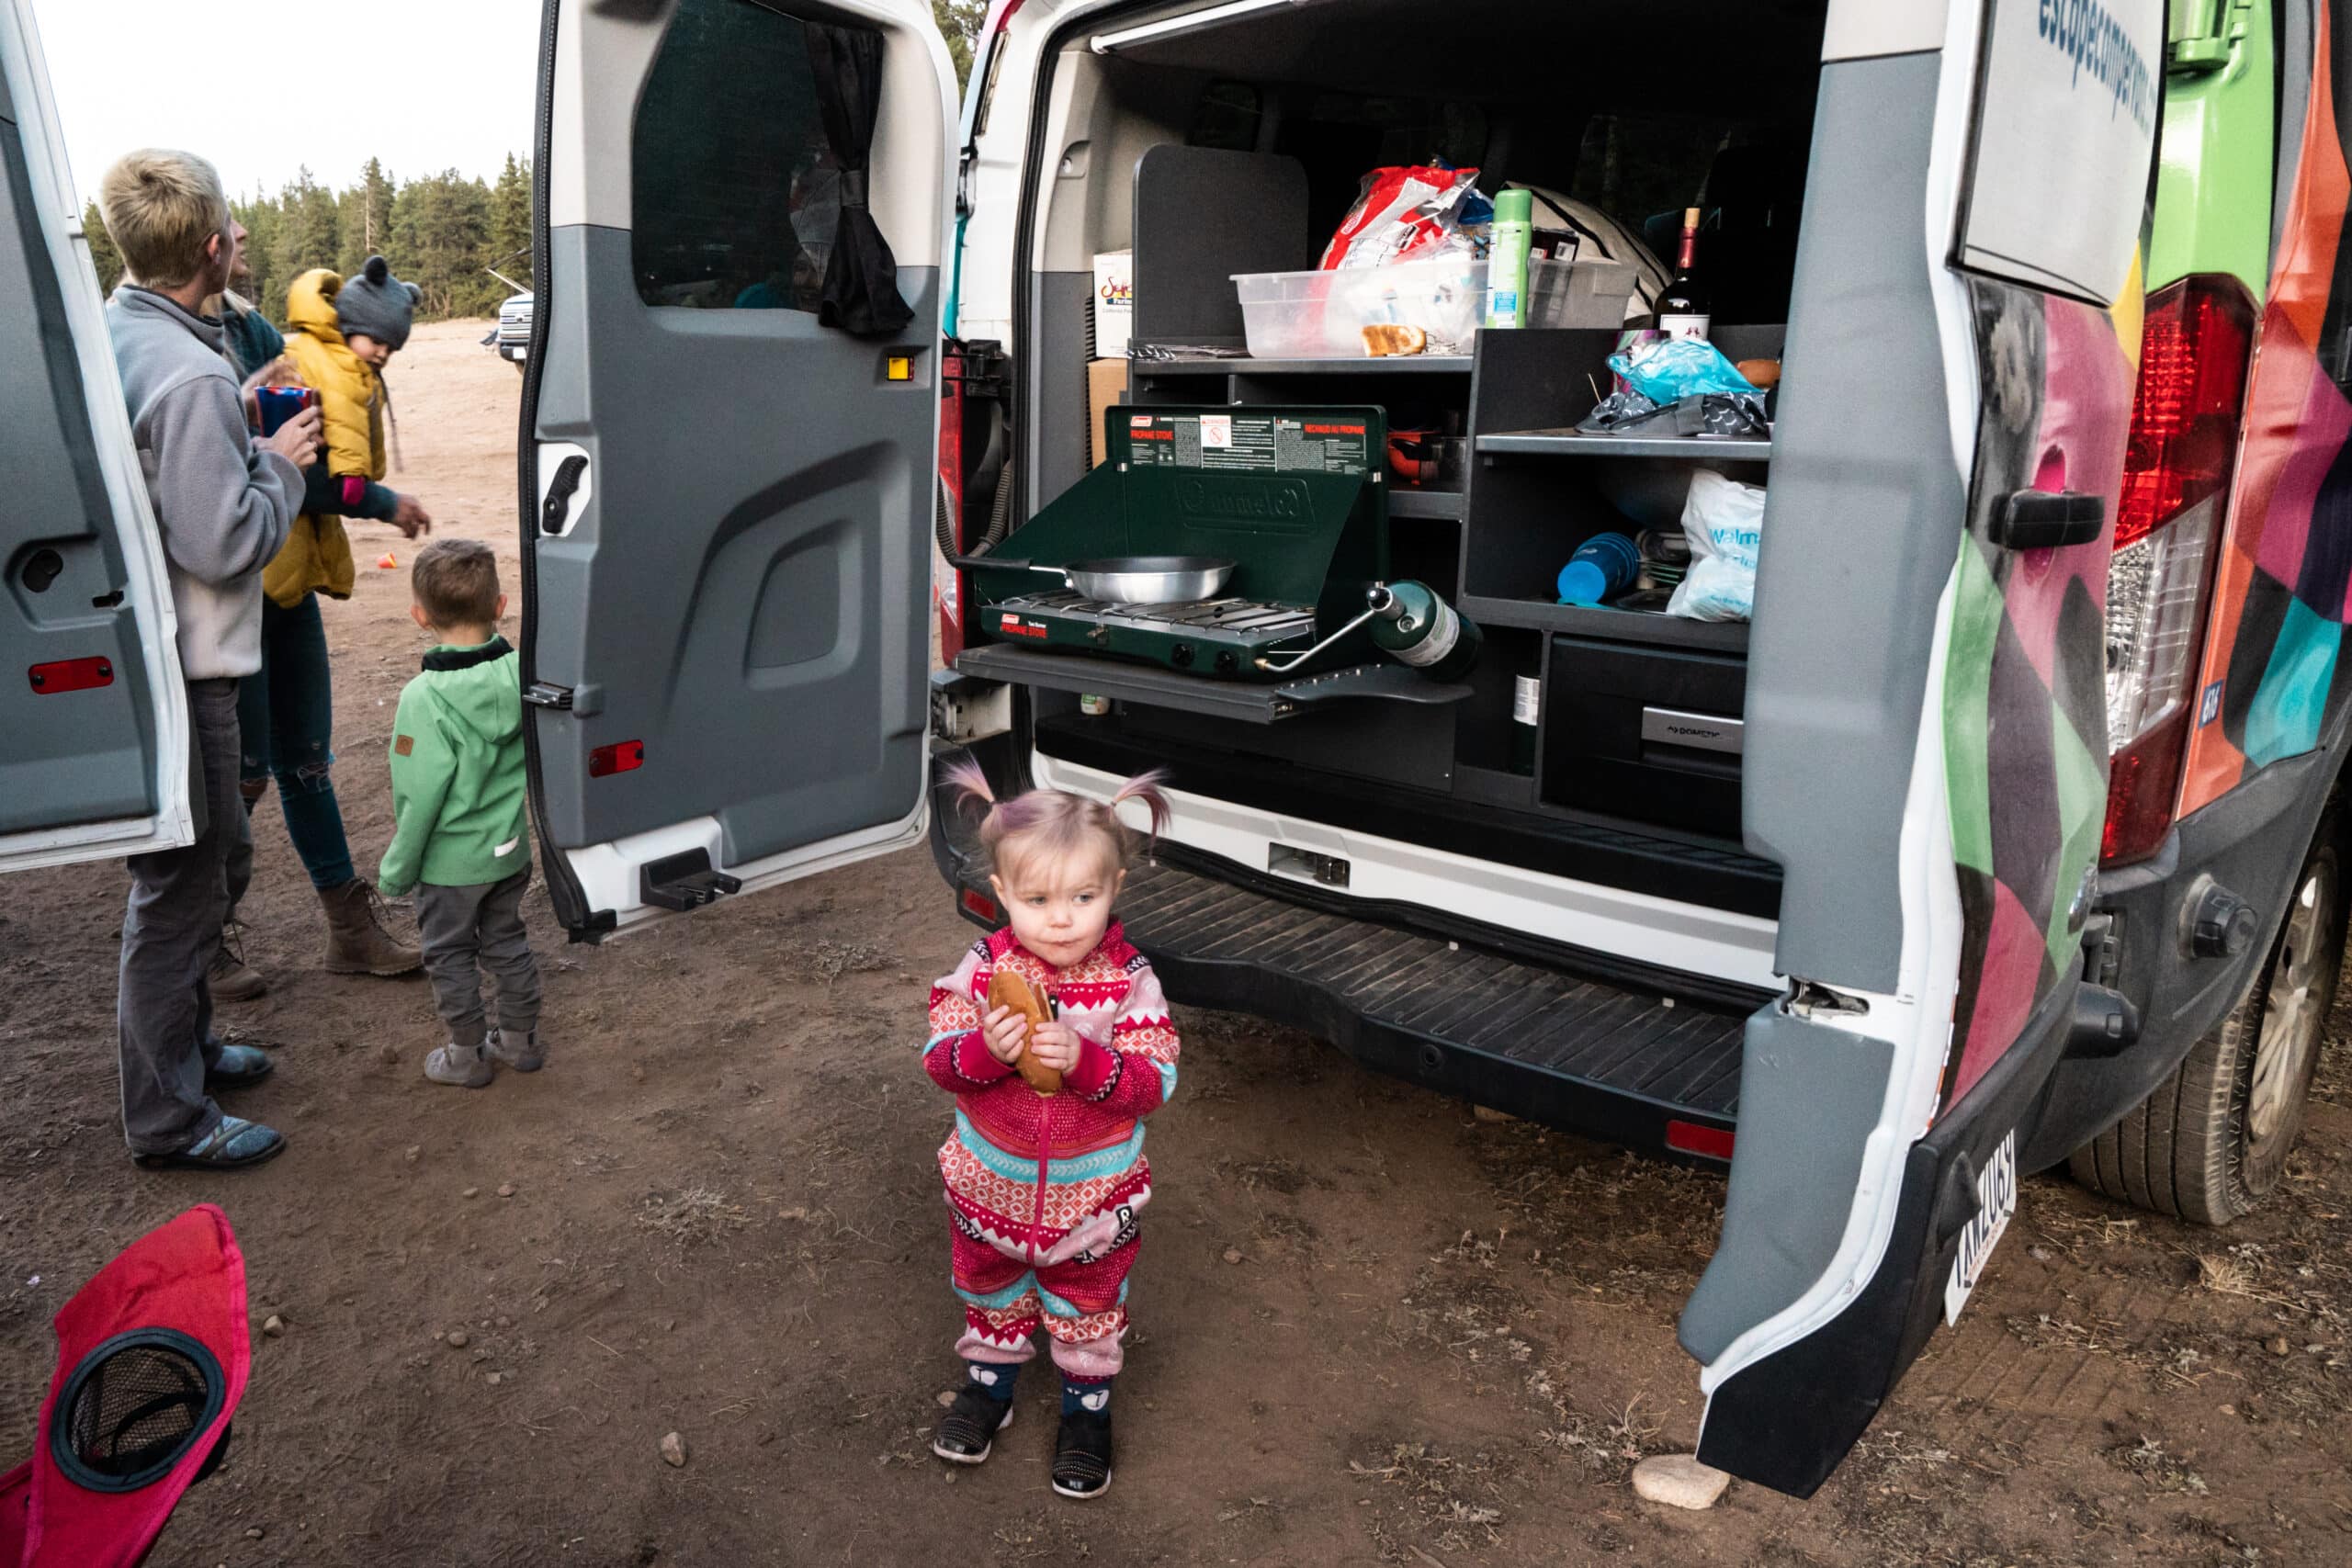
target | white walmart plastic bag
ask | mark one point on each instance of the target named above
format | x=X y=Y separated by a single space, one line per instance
x=1724 y=521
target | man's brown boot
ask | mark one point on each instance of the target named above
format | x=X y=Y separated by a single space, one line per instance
x=228 y=975
x=359 y=941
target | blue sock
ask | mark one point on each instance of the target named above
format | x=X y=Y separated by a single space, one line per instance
x=992 y=1378
x=1085 y=1394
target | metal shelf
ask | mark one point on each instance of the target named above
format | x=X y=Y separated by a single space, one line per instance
x=1612 y=625
x=1449 y=504
x=1388 y=364
x=1568 y=443
x=1252 y=702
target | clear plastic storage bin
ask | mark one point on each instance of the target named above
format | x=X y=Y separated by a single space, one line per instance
x=1321 y=315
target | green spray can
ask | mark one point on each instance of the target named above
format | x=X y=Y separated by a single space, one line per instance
x=1514 y=233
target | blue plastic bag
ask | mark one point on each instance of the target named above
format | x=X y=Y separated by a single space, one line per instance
x=1673 y=368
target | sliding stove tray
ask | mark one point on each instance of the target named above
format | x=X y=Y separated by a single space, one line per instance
x=1151 y=685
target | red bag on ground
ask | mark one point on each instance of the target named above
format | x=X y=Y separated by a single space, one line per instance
x=152 y=1358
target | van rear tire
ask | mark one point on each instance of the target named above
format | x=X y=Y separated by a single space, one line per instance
x=2212 y=1139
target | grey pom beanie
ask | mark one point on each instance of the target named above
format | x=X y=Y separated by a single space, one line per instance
x=376 y=304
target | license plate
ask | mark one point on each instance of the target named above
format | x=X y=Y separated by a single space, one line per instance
x=1996 y=1200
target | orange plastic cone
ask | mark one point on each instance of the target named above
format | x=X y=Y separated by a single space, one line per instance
x=388 y=562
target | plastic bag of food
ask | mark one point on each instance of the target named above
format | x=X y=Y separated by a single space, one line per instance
x=1670 y=369
x=1723 y=519
x=1412 y=213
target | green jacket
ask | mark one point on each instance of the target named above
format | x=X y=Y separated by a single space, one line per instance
x=457 y=788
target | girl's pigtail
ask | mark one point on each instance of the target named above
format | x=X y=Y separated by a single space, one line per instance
x=971 y=787
x=1145 y=787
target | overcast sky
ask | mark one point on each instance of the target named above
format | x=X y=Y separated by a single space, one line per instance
x=268 y=85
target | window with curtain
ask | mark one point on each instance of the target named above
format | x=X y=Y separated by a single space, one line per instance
x=747 y=169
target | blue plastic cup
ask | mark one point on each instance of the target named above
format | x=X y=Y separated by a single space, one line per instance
x=1603 y=565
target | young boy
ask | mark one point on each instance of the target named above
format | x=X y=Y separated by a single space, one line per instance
x=222 y=504
x=459 y=837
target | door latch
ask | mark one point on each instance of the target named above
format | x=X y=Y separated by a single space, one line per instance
x=539 y=695
x=2044 y=520
x=556 y=507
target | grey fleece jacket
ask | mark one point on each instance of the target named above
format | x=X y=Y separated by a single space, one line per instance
x=221 y=503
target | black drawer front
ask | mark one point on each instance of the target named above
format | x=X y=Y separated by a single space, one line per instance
x=1645 y=733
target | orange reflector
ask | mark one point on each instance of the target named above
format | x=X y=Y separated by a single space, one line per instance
x=71 y=675
x=980 y=904
x=1691 y=1138
x=899 y=367
x=622 y=757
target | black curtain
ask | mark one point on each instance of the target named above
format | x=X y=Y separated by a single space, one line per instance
x=861 y=293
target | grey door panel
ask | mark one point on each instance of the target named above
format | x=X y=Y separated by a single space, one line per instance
x=71 y=756
x=735 y=589
x=1866 y=509
x=1809 y=1097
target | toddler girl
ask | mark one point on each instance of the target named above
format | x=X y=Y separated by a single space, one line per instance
x=1043 y=1190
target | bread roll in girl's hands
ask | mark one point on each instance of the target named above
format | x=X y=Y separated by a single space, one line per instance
x=1008 y=990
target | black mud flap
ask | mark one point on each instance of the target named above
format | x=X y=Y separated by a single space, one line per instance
x=1789 y=1420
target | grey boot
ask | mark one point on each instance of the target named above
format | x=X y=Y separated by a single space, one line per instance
x=459 y=1066
x=522 y=1050
x=228 y=975
x=359 y=941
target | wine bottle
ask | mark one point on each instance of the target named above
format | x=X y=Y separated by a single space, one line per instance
x=1682 y=304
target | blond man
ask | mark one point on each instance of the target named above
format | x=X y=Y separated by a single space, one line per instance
x=222 y=506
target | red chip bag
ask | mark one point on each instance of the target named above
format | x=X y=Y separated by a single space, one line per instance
x=1401 y=214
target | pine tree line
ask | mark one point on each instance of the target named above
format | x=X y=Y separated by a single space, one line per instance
x=439 y=231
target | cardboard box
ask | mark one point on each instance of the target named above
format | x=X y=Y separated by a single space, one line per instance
x=1106 y=383
x=1114 y=302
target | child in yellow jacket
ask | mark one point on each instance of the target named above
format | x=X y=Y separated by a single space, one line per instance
x=340 y=335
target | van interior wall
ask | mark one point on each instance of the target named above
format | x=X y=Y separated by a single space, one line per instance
x=1637 y=108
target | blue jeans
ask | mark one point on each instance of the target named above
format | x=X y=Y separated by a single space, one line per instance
x=286 y=714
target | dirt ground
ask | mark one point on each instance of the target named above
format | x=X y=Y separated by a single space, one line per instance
x=1372 y=1329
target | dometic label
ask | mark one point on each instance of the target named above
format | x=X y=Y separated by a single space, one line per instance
x=1246 y=443
x=1996 y=1200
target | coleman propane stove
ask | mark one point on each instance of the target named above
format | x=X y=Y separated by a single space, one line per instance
x=1293 y=496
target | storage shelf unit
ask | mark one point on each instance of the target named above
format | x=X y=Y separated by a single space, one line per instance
x=1531 y=491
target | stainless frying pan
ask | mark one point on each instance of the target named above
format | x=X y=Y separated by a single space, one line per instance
x=1125 y=580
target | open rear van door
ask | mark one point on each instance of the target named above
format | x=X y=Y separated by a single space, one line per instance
x=728 y=442
x=1926 y=734
x=93 y=739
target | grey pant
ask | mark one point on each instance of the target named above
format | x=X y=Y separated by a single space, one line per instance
x=163 y=1009
x=466 y=930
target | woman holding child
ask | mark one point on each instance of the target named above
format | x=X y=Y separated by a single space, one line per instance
x=343 y=334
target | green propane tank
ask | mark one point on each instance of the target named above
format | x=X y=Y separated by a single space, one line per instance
x=1411 y=622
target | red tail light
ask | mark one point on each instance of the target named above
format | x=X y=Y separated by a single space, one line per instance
x=2194 y=355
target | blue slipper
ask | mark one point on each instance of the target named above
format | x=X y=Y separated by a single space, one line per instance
x=233 y=1145
x=239 y=1067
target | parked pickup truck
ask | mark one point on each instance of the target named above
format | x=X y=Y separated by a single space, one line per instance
x=510 y=339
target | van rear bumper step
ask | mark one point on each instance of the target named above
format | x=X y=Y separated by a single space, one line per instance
x=1620 y=1066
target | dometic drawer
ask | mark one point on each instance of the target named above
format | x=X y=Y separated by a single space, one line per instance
x=1651 y=734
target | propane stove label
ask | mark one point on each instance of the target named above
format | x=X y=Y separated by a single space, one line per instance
x=1014 y=625
x=1337 y=443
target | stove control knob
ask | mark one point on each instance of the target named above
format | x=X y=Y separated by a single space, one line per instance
x=1228 y=662
x=1181 y=656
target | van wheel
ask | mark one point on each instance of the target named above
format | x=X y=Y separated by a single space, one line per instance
x=2213 y=1139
